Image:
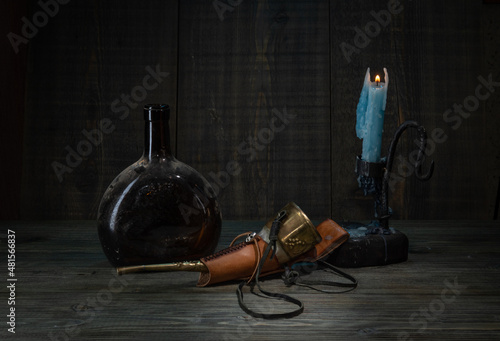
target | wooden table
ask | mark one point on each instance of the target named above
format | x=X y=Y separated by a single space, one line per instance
x=66 y=290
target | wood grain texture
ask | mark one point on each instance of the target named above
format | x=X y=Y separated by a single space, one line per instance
x=253 y=92
x=13 y=70
x=81 y=74
x=267 y=102
x=451 y=83
x=490 y=65
x=67 y=289
x=433 y=54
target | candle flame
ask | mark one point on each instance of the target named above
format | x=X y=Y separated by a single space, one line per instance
x=377 y=78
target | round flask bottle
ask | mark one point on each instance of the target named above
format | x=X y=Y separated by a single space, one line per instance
x=158 y=210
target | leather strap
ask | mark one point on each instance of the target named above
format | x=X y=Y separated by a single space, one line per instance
x=257 y=249
x=291 y=277
x=239 y=293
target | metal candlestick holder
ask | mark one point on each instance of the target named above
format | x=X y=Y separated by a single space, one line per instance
x=377 y=243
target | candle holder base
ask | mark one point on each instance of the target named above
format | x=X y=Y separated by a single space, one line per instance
x=377 y=243
x=370 y=245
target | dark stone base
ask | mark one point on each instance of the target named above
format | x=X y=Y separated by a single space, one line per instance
x=362 y=250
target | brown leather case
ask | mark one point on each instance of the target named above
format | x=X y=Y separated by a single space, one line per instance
x=240 y=261
x=332 y=236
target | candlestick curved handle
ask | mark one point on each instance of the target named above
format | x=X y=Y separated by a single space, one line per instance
x=420 y=158
x=422 y=134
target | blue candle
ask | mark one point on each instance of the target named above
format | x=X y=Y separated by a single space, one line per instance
x=370 y=116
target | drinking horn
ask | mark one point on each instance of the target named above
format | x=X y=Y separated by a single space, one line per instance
x=297 y=240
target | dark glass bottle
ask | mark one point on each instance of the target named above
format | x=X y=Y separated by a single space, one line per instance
x=158 y=210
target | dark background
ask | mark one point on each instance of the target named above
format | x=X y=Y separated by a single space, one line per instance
x=230 y=70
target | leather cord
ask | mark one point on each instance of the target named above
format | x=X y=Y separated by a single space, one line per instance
x=257 y=251
x=291 y=277
x=269 y=294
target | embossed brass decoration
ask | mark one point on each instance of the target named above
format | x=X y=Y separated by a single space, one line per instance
x=296 y=236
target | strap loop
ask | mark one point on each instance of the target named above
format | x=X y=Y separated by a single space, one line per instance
x=291 y=277
x=312 y=284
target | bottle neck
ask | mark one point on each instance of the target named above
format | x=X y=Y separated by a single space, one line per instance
x=156 y=132
x=157 y=140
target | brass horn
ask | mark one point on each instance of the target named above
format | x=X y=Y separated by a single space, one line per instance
x=296 y=235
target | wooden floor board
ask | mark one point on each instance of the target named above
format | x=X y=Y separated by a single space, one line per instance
x=66 y=290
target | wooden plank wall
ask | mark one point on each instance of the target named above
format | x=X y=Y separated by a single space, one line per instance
x=433 y=54
x=256 y=93
x=490 y=52
x=264 y=101
x=13 y=70
x=88 y=66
